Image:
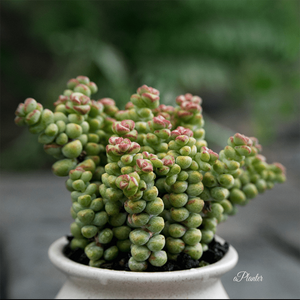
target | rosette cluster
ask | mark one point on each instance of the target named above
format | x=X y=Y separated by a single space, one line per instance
x=75 y=129
x=237 y=176
x=165 y=111
x=182 y=187
x=142 y=180
x=257 y=175
x=141 y=105
x=189 y=115
x=130 y=195
x=159 y=133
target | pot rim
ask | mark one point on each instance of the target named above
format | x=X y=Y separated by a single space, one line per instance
x=71 y=268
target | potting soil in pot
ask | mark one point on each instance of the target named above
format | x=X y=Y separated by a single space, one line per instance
x=214 y=253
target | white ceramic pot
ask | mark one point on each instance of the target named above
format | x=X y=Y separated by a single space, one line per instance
x=86 y=282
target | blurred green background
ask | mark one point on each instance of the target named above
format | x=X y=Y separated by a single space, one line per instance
x=241 y=57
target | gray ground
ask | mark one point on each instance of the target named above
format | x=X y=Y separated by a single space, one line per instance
x=266 y=234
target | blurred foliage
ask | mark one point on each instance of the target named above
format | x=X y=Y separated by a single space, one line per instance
x=232 y=53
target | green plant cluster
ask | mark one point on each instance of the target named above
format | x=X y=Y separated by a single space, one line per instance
x=142 y=180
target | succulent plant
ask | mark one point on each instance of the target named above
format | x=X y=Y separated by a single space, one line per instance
x=142 y=180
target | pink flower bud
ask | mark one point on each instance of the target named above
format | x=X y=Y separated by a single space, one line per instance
x=75 y=98
x=118 y=128
x=146 y=154
x=165 y=115
x=127 y=182
x=184 y=114
x=79 y=168
x=39 y=107
x=61 y=100
x=121 y=114
x=123 y=127
x=188 y=96
x=181 y=131
x=129 y=105
x=182 y=138
x=280 y=167
x=129 y=124
x=132 y=135
x=197 y=99
x=151 y=97
x=144 y=165
x=33 y=117
x=260 y=157
x=72 y=83
x=83 y=79
x=243 y=150
x=240 y=139
x=124 y=181
x=168 y=160
x=29 y=105
x=109 y=120
x=135 y=98
x=20 y=110
x=190 y=106
x=82 y=88
x=162 y=122
x=123 y=147
x=96 y=105
x=79 y=99
x=134 y=148
x=115 y=140
x=168 y=109
x=165 y=108
x=214 y=156
x=180 y=99
x=107 y=102
x=85 y=100
x=93 y=87
x=231 y=141
x=20 y=121
x=146 y=89
x=69 y=105
x=82 y=109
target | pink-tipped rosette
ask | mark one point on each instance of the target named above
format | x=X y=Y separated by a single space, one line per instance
x=143 y=166
x=109 y=106
x=119 y=146
x=146 y=96
x=241 y=144
x=165 y=111
x=181 y=131
x=128 y=184
x=125 y=129
x=159 y=123
x=189 y=107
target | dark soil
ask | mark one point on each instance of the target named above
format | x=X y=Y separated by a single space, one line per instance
x=184 y=262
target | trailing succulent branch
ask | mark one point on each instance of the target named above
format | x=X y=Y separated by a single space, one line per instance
x=142 y=180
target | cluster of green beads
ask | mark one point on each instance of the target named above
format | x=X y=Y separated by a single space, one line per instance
x=188 y=115
x=76 y=127
x=142 y=180
x=183 y=185
x=129 y=185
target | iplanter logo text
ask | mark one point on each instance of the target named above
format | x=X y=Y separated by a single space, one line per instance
x=243 y=275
